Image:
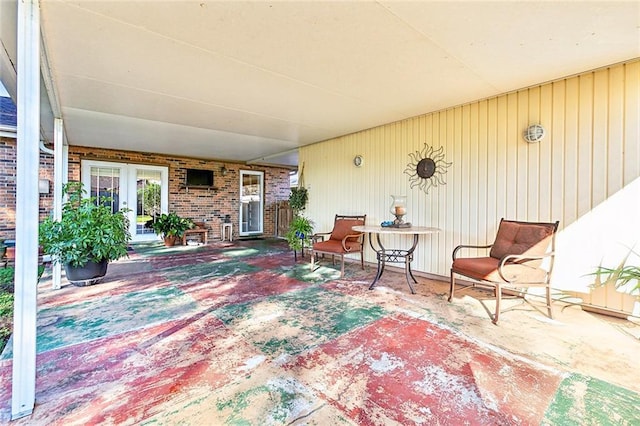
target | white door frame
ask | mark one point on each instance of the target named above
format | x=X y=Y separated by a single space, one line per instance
x=128 y=192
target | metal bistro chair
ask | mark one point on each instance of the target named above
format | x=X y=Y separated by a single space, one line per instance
x=514 y=262
x=342 y=240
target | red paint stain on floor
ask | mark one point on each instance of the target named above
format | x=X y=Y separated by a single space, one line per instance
x=127 y=378
x=407 y=370
x=241 y=288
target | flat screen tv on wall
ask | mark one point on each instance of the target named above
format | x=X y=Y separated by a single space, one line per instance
x=197 y=177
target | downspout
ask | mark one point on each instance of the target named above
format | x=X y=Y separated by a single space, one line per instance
x=46 y=150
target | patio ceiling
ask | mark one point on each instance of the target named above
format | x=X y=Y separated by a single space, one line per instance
x=253 y=81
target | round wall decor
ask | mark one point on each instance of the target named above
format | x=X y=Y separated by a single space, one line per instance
x=427 y=168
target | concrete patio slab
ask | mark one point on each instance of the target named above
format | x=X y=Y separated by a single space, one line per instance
x=240 y=333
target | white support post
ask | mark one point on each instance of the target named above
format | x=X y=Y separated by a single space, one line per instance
x=27 y=201
x=58 y=169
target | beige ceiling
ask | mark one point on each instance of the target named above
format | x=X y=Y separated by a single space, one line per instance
x=253 y=81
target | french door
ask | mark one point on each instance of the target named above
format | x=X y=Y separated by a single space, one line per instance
x=140 y=188
x=251 y=202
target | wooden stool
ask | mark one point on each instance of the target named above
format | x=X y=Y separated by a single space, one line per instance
x=200 y=232
x=223 y=231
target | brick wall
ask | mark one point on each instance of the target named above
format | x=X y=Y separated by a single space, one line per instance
x=8 y=187
x=203 y=205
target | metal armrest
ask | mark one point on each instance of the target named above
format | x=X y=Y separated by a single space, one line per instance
x=319 y=236
x=359 y=237
x=461 y=246
x=523 y=259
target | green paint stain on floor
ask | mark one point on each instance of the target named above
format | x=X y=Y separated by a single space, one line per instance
x=298 y=320
x=303 y=272
x=279 y=402
x=582 y=400
x=157 y=248
x=203 y=271
x=107 y=316
x=241 y=252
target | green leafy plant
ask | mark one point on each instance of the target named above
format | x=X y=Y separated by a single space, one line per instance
x=6 y=279
x=88 y=231
x=6 y=317
x=171 y=225
x=621 y=275
x=298 y=199
x=6 y=302
x=300 y=231
x=150 y=196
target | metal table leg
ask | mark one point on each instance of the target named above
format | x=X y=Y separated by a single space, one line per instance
x=384 y=255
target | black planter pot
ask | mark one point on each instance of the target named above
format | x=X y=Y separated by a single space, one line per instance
x=89 y=274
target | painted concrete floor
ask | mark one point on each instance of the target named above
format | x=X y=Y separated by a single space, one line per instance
x=240 y=334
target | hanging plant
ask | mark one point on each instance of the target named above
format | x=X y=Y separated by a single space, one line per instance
x=298 y=199
x=299 y=196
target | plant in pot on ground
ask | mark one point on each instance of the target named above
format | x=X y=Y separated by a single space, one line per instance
x=621 y=275
x=170 y=227
x=299 y=234
x=300 y=229
x=88 y=237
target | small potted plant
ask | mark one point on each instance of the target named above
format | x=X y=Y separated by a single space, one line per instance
x=299 y=234
x=621 y=275
x=87 y=238
x=170 y=227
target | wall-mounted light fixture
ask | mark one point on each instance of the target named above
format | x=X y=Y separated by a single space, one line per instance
x=534 y=133
x=43 y=186
x=224 y=171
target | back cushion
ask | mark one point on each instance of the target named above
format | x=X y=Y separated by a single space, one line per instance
x=342 y=228
x=522 y=238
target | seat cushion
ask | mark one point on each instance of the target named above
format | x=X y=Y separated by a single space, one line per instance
x=342 y=228
x=335 y=246
x=522 y=238
x=486 y=269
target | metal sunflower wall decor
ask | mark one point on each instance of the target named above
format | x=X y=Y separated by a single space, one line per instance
x=427 y=168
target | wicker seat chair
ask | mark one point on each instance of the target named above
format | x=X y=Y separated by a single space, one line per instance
x=342 y=240
x=515 y=262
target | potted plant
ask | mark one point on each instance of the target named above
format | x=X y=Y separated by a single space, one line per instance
x=621 y=275
x=170 y=227
x=299 y=234
x=300 y=229
x=298 y=199
x=87 y=238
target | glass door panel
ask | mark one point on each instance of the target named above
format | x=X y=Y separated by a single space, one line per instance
x=105 y=186
x=251 y=202
x=148 y=199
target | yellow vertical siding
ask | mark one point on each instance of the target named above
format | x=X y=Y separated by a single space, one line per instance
x=591 y=152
